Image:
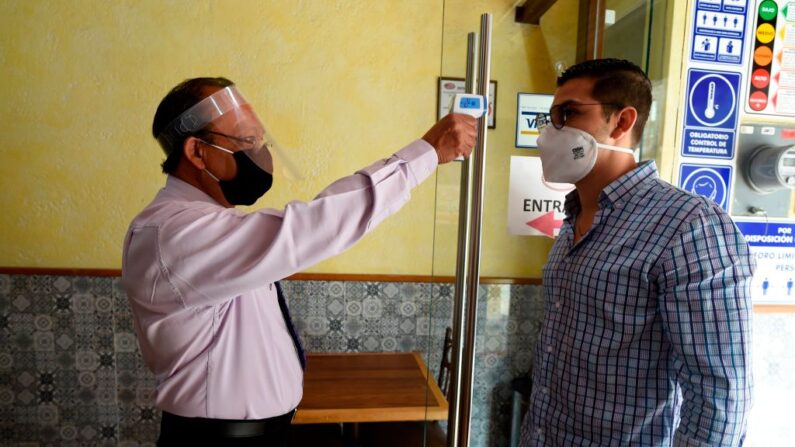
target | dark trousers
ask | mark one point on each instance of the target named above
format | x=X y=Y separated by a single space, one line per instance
x=180 y=431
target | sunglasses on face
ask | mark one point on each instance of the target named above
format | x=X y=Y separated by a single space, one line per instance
x=559 y=114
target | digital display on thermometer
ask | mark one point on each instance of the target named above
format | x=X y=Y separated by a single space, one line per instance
x=469 y=103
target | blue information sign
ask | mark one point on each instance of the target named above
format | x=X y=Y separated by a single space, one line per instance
x=710 y=181
x=772 y=243
x=768 y=234
x=708 y=143
x=718 y=31
x=711 y=115
x=712 y=99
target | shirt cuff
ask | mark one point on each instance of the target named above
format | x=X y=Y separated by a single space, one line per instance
x=421 y=158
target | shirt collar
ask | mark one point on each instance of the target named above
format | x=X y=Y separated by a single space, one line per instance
x=185 y=191
x=619 y=190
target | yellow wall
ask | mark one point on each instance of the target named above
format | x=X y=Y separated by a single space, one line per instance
x=523 y=60
x=668 y=92
x=340 y=83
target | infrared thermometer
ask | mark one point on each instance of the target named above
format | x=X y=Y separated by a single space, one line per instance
x=469 y=104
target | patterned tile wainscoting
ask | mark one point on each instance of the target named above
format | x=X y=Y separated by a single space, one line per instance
x=71 y=373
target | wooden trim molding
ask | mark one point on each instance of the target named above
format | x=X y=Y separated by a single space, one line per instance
x=296 y=277
x=58 y=271
x=773 y=309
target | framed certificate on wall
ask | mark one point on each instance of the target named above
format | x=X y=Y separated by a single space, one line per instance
x=448 y=87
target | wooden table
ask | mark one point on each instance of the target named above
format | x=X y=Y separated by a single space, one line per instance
x=369 y=387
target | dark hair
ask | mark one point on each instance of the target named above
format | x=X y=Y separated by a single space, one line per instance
x=179 y=99
x=616 y=81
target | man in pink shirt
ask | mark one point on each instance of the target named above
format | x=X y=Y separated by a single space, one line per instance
x=202 y=276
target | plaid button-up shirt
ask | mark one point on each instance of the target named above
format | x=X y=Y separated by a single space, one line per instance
x=647 y=333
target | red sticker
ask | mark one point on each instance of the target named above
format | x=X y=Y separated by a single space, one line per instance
x=760 y=78
x=758 y=101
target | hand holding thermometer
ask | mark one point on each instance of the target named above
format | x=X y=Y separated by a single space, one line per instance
x=468 y=104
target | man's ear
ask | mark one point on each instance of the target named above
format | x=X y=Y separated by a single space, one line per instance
x=192 y=150
x=626 y=121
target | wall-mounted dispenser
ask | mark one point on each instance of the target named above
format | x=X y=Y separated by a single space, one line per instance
x=772 y=168
x=766 y=165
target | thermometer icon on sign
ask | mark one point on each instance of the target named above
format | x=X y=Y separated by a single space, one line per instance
x=709 y=112
x=712 y=99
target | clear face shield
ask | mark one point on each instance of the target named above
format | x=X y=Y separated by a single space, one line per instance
x=230 y=118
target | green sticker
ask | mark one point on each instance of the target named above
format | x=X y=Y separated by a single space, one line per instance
x=768 y=10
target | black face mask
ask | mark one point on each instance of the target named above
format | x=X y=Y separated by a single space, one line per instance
x=250 y=183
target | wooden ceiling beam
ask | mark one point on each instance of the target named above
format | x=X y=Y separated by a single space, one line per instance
x=590 y=30
x=532 y=10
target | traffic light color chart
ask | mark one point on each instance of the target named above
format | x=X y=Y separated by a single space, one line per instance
x=771 y=81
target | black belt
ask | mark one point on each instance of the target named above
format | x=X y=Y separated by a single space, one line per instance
x=172 y=424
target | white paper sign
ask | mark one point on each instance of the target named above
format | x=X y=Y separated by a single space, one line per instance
x=535 y=206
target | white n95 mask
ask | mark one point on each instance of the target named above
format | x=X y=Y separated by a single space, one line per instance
x=569 y=154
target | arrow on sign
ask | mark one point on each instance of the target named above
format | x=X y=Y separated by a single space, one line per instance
x=546 y=224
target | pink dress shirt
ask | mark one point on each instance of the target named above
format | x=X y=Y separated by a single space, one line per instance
x=199 y=279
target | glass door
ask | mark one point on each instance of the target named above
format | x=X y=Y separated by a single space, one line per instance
x=525 y=62
x=509 y=302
